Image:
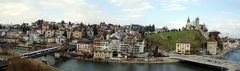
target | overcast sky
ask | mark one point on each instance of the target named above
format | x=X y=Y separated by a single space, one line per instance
x=220 y=15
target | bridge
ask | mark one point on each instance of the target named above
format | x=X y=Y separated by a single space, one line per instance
x=42 y=52
x=39 y=53
x=223 y=64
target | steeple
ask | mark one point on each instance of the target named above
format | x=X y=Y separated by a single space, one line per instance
x=188 y=20
x=197 y=20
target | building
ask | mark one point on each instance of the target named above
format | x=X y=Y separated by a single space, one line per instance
x=50 y=40
x=45 y=25
x=49 y=33
x=84 y=46
x=105 y=45
x=183 y=47
x=69 y=33
x=97 y=44
x=123 y=48
x=194 y=25
x=138 y=48
x=212 y=46
x=59 y=32
x=233 y=43
x=77 y=34
x=114 y=44
x=61 y=39
x=102 y=54
x=2 y=33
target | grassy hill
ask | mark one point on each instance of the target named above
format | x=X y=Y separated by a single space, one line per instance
x=168 y=40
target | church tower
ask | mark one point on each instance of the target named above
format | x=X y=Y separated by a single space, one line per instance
x=188 y=25
x=188 y=20
x=197 y=23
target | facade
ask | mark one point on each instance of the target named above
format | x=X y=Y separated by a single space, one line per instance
x=233 y=43
x=138 y=48
x=69 y=34
x=105 y=45
x=212 y=46
x=123 y=48
x=45 y=26
x=2 y=33
x=49 y=33
x=114 y=44
x=50 y=40
x=97 y=45
x=59 y=32
x=84 y=46
x=183 y=47
x=61 y=39
x=11 y=40
x=77 y=34
x=100 y=55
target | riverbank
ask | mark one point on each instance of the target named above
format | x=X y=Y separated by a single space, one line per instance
x=158 y=60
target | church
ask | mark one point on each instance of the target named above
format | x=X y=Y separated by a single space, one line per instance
x=195 y=25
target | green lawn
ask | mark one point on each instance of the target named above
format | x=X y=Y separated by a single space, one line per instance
x=162 y=39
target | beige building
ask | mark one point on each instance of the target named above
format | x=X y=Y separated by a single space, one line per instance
x=50 y=40
x=59 y=32
x=212 y=46
x=45 y=26
x=100 y=54
x=183 y=47
x=84 y=46
x=49 y=33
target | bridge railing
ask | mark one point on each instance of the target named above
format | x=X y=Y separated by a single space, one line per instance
x=37 y=52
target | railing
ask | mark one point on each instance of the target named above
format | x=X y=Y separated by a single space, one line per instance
x=38 y=52
x=230 y=65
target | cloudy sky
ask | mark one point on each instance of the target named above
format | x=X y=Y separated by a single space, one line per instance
x=221 y=15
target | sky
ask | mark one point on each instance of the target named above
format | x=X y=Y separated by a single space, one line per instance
x=219 y=15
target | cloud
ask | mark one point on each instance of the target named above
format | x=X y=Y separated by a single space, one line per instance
x=18 y=11
x=177 y=5
x=227 y=26
x=134 y=9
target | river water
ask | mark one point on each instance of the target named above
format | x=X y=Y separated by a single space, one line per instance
x=69 y=64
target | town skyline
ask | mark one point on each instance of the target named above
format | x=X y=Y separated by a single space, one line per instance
x=174 y=13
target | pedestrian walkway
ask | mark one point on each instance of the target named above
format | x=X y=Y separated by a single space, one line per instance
x=224 y=64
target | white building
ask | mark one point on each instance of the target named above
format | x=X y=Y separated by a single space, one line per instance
x=61 y=39
x=138 y=48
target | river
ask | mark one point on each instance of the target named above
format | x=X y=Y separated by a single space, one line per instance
x=69 y=64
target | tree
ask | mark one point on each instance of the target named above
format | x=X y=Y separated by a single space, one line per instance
x=153 y=28
x=95 y=30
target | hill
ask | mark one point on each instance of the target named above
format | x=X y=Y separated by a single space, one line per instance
x=167 y=40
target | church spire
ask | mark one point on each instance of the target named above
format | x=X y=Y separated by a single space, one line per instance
x=188 y=20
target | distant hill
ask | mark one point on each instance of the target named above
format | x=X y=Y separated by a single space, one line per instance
x=162 y=40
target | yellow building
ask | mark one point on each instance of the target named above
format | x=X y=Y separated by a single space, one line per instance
x=212 y=46
x=100 y=54
x=77 y=34
x=183 y=47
